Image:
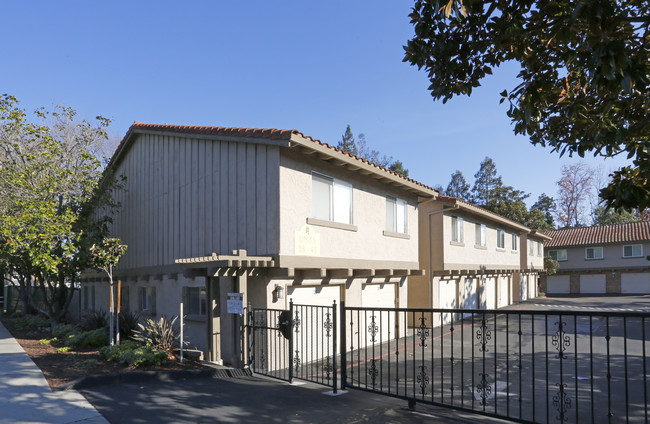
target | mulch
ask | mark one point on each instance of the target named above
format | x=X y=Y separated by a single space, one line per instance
x=61 y=368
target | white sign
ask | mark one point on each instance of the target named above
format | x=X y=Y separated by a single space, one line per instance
x=235 y=303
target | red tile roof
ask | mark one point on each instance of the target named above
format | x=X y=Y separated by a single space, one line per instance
x=605 y=234
x=265 y=133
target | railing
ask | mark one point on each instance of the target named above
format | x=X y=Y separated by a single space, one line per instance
x=527 y=366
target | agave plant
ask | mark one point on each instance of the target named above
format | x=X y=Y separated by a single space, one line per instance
x=160 y=334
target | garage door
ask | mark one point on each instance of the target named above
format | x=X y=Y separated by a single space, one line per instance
x=557 y=284
x=532 y=286
x=635 y=283
x=503 y=292
x=592 y=283
x=523 y=288
x=379 y=296
x=314 y=295
x=446 y=298
x=488 y=294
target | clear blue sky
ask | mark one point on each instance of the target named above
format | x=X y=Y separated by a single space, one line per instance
x=312 y=66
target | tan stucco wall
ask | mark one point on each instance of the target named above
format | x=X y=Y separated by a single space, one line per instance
x=369 y=215
x=612 y=258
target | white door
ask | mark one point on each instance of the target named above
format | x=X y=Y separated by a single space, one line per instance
x=488 y=296
x=636 y=282
x=523 y=288
x=446 y=299
x=503 y=291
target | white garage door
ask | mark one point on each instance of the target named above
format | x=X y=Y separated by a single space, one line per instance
x=557 y=284
x=532 y=286
x=503 y=292
x=446 y=299
x=635 y=283
x=379 y=296
x=592 y=283
x=523 y=287
x=314 y=295
x=488 y=294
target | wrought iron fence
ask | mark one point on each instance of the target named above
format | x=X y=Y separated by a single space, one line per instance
x=300 y=342
x=527 y=366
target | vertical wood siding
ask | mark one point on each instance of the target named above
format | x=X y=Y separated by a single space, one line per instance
x=189 y=197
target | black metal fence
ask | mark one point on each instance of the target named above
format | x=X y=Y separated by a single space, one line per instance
x=297 y=343
x=527 y=366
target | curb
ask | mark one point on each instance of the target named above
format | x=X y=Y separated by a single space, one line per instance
x=142 y=376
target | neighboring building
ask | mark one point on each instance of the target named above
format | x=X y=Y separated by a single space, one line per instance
x=272 y=214
x=600 y=259
x=473 y=258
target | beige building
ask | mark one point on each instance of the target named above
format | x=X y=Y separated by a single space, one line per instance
x=271 y=214
x=473 y=258
x=600 y=259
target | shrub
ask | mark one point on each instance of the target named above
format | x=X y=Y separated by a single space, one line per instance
x=92 y=320
x=133 y=354
x=93 y=338
x=32 y=323
x=160 y=334
x=62 y=331
x=48 y=341
x=63 y=349
x=88 y=363
x=128 y=324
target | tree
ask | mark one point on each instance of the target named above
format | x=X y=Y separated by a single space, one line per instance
x=486 y=183
x=105 y=256
x=458 y=187
x=574 y=188
x=51 y=184
x=584 y=77
x=603 y=216
x=546 y=205
x=360 y=149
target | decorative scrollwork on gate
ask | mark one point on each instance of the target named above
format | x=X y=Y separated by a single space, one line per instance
x=373 y=372
x=423 y=331
x=483 y=335
x=562 y=402
x=561 y=340
x=423 y=379
x=327 y=368
x=373 y=329
x=296 y=323
x=327 y=325
x=484 y=389
x=296 y=361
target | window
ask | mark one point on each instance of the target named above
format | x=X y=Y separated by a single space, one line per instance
x=594 y=253
x=480 y=234
x=633 y=251
x=539 y=248
x=148 y=300
x=531 y=247
x=331 y=199
x=501 y=239
x=194 y=300
x=88 y=294
x=457 y=229
x=396 y=219
x=558 y=255
x=515 y=242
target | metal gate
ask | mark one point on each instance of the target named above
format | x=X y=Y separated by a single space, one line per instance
x=300 y=342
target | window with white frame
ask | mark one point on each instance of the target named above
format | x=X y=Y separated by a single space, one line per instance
x=633 y=251
x=148 y=300
x=501 y=239
x=457 y=229
x=594 y=253
x=531 y=247
x=88 y=294
x=481 y=231
x=194 y=300
x=558 y=254
x=331 y=199
x=515 y=242
x=396 y=218
x=539 y=248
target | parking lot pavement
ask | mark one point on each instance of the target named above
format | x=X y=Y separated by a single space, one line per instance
x=633 y=303
x=257 y=400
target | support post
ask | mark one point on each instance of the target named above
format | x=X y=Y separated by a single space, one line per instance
x=344 y=373
x=291 y=324
x=334 y=347
x=182 y=325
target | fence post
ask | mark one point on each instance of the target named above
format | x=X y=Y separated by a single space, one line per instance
x=291 y=323
x=344 y=361
x=334 y=346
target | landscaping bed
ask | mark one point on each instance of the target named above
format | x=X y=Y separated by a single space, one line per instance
x=60 y=367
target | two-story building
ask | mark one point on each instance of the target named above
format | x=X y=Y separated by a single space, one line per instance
x=473 y=258
x=272 y=214
x=600 y=259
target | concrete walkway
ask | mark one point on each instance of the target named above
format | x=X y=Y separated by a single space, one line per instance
x=25 y=396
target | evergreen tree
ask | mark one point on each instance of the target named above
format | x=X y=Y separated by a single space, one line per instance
x=359 y=148
x=347 y=143
x=398 y=168
x=602 y=216
x=546 y=205
x=486 y=183
x=458 y=187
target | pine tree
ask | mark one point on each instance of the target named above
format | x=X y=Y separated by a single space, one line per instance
x=347 y=143
x=486 y=183
x=458 y=187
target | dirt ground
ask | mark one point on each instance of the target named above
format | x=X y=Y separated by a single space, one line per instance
x=61 y=368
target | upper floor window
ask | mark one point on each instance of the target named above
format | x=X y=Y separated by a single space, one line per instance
x=457 y=229
x=558 y=255
x=515 y=242
x=396 y=218
x=481 y=230
x=531 y=247
x=539 y=248
x=594 y=253
x=501 y=239
x=633 y=251
x=331 y=199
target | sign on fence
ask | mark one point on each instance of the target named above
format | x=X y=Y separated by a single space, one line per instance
x=235 y=303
